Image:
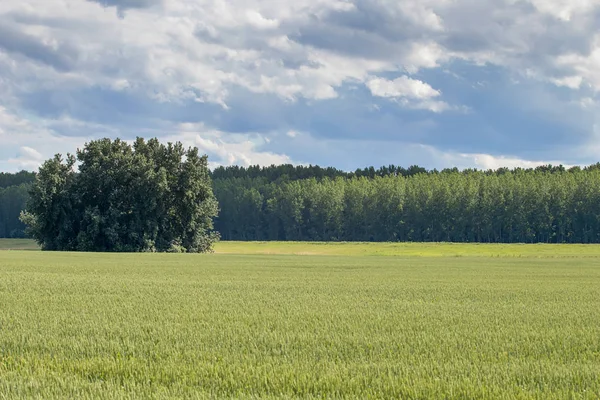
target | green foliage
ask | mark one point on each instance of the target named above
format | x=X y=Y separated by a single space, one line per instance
x=545 y=205
x=13 y=196
x=145 y=197
x=12 y=201
x=108 y=326
x=287 y=172
x=20 y=178
x=548 y=204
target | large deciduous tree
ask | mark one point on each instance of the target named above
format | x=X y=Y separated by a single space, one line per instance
x=142 y=197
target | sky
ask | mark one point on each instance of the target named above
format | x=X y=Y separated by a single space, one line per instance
x=343 y=83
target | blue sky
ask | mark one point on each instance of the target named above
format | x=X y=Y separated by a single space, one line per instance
x=344 y=83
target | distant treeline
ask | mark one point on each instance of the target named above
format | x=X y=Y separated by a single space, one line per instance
x=545 y=204
x=13 y=195
x=16 y=179
x=296 y=172
x=291 y=172
x=392 y=203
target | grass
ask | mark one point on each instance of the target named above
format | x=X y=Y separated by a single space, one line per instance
x=412 y=249
x=544 y=251
x=76 y=325
x=18 y=244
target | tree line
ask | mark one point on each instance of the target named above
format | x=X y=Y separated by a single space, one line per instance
x=390 y=203
x=13 y=195
x=546 y=204
x=296 y=172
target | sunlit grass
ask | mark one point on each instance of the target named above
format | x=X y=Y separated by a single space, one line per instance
x=411 y=249
x=384 y=249
x=284 y=326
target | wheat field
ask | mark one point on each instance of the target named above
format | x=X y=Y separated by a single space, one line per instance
x=511 y=322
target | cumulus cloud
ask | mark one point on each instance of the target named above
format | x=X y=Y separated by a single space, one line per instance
x=487 y=161
x=26 y=144
x=71 y=70
x=411 y=93
x=565 y=9
x=28 y=158
x=199 y=49
x=402 y=153
x=483 y=161
x=572 y=82
x=228 y=149
x=402 y=87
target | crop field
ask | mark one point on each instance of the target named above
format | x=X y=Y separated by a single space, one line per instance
x=18 y=244
x=291 y=320
x=382 y=249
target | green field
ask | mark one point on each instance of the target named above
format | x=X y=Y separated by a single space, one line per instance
x=416 y=321
x=383 y=249
x=18 y=244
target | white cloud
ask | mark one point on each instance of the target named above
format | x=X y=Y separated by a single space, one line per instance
x=564 y=9
x=421 y=13
x=27 y=145
x=28 y=158
x=228 y=149
x=447 y=159
x=197 y=50
x=431 y=105
x=410 y=93
x=487 y=161
x=585 y=67
x=590 y=149
x=402 y=87
x=425 y=55
x=31 y=154
x=200 y=49
x=210 y=50
x=10 y=124
x=357 y=153
x=587 y=102
x=572 y=82
x=258 y=21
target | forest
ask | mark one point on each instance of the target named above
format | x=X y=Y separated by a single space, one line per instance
x=13 y=195
x=548 y=204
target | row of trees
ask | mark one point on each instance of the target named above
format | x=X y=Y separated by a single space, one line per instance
x=12 y=202
x=145 y=197
x=287 y=172
x=13 y=195
x=20 y=178
x=544 y=205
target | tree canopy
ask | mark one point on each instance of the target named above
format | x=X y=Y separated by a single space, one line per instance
x=19 y=178
x=131 y=198
x=546 y=204
x=142 y=197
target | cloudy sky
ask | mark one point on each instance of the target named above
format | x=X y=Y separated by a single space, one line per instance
x=344 y=83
